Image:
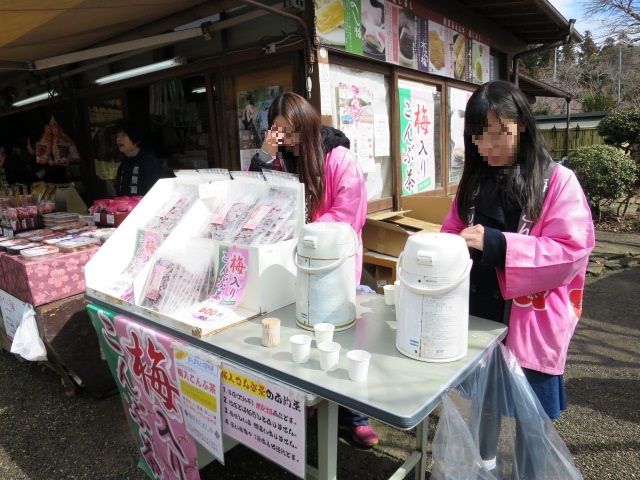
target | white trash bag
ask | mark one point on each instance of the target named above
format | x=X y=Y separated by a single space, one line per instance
x=492 y=427
x=27 y=342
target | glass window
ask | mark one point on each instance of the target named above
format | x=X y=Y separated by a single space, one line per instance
x=103 y=116
x=458 y=99
x=247 y=112
x=360 y=108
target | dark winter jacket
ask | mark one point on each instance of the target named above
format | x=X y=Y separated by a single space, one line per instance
x=331 y=138
x=136 y=175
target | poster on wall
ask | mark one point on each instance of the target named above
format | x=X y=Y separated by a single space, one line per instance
x=330 y=22
x=253 y=120
x=142 y=362
x=265 y=416
x=374 y=33
x=480 y=62
x=403 y=33
x=357 y=122
x=458 y=99
x=417 y=148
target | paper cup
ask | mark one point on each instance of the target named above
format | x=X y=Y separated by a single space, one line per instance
x=396 y=293
x=300 y=347
x=388 y=294
x=329 y=355
x=358 y=365
x=324 y=332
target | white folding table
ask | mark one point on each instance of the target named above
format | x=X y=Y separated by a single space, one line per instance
x=399 y=391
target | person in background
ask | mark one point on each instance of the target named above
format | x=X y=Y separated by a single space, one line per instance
x=15 y=168
x=529 y=230
x=297 y=142
x=139 y=169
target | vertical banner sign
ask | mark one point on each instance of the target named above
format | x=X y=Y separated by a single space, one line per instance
x=141 y=361
x=422 y=43
x=231 y=280
x=266 y=417
x=198 y=375
x=417 y=149
x=353 y=26
x=391 y=39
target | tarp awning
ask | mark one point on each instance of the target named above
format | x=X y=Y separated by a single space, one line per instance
x=36 y=29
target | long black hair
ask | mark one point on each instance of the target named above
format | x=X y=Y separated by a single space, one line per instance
x=310 y=166
x=523 y=182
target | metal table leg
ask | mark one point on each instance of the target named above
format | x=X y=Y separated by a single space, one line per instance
x=327 y=440
x=422 y=432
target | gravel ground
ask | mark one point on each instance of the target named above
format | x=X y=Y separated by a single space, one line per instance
x=46 y=435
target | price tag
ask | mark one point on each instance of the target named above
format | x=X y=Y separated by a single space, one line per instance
x=111 y=219
x=210 y=311
x=257 y=217
x=96 y=217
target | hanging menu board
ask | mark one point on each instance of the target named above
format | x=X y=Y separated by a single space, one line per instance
x=404 y=33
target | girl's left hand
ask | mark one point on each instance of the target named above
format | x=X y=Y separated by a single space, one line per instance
x=474 y=236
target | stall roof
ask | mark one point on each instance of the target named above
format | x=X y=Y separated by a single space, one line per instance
x=38 y=29
x=537 y=88
x=532 y=21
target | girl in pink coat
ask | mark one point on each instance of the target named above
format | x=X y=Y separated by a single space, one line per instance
x=334 y=184
x=529 y=230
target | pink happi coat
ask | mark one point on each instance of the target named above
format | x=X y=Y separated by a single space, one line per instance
x=544 y=274
x=345 y=195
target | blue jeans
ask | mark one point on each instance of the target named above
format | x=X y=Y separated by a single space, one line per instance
x=350 y=418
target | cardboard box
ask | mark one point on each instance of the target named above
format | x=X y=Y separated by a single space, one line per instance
x=427 y=209
x=46 y=280
x=381 y=267
x=387 y=232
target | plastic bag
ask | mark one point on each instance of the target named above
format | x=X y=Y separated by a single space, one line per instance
x=492 y=426
x=27 y=342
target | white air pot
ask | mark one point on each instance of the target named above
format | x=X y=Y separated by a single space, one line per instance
x=433 y=310
x=326 y=284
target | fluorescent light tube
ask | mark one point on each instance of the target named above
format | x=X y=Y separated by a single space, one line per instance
x=154 y=67
x=34 y=99
x=199 y=90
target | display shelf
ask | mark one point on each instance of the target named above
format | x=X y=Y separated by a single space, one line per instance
x=270 y=270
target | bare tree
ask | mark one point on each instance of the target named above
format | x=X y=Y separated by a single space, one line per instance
x=620 y=17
